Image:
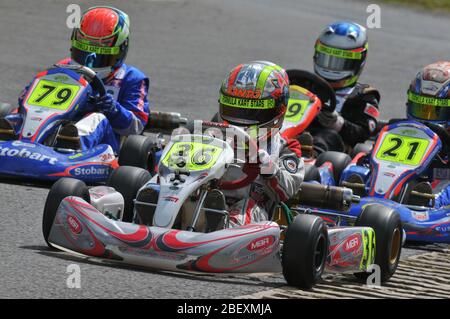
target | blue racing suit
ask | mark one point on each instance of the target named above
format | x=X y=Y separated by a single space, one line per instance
x=129 y=89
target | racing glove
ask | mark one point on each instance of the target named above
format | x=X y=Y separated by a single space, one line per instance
x=105 y=104
x=331 y=120
x=268 y=168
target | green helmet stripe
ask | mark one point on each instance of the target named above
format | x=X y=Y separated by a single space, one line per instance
x=263 y=76
x=426 y=100
x=344 y=54
x=95 y=49
x=246 y=103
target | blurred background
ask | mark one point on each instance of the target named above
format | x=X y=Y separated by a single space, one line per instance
x=187 y=47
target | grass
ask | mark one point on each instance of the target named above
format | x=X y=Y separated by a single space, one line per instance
x=434 y=5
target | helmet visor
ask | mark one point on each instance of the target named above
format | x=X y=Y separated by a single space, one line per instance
x=95 y=56
x=428 y=108
x=337 y=59
x=244 y=112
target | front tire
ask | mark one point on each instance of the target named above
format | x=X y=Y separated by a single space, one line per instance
x=388 y=237
x=138 y=151
x=127 y=180
x=61 y=189
x=305 y=251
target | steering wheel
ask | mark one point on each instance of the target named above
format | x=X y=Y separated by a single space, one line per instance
x=315 y=84
x=250 y=170
x=94 y=81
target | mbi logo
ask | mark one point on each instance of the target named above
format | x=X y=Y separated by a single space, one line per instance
x=260 y=243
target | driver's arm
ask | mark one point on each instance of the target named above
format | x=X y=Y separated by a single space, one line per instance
x=288 y=173
x=132 y=109
x=360 y=125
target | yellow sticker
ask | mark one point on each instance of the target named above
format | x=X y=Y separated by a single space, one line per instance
x=192 y=156
x=297 y=105
x=53 y=95
x=402 y=149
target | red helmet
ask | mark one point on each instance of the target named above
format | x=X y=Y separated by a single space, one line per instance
x=101 y=41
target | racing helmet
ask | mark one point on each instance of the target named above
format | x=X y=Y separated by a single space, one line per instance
x=101 y=41
x=428 y=94
x=255 y=94
x=340 y=53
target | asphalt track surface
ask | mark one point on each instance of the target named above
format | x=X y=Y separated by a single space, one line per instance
x=186 y=47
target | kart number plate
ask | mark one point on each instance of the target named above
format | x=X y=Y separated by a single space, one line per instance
x=295 y=110
x=192 y=156
x=53 y=95
x=402 y=149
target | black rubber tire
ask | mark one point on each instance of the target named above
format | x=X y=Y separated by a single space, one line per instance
x=311 y=173
x=138 y=151
x=305 y=251
x=6 y=109
x=388 y=227
x=339 y=160
x=361 y=148
x=127 y=180
x=61 y=189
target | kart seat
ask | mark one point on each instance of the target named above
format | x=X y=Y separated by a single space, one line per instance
x=7 y=132
x=145 y=206
x=215 y=211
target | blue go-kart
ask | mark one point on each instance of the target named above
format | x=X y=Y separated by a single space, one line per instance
x=55 y=97
x=401 y=171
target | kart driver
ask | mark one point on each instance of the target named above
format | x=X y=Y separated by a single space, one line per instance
x=124 y=109
x=429 y=102
x=280 y=166
x=340 y=56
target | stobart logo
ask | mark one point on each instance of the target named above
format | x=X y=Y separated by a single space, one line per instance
x=25 y=153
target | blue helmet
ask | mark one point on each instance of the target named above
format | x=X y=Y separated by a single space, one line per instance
x=340 y=53
x=428 y=94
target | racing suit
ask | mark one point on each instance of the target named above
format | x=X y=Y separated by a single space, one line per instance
x=256 y=202
x=129 y=89
x=358 y=106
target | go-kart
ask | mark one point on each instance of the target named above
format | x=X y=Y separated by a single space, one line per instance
x=55 y=97
x=397 y=172
x=178 y=219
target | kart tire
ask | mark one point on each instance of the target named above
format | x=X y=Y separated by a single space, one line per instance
x=305 y=249
x=339 y=161
x=361 y=148
x=6 y=109
x=387 y=225
x=127 y=180
x=311 y=173
x=138 y=151
x=63 y=188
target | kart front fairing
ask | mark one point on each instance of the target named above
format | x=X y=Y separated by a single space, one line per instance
x=54 y=97
x=388 y=176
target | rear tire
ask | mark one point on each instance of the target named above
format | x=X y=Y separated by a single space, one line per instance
x=305 y=251
x=127 y=180
x=61 y=189
x=339 y=161
x=388 y=237
x=138 y=151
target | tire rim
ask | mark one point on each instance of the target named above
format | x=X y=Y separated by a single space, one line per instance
x=319 y=254
x=395 y=246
